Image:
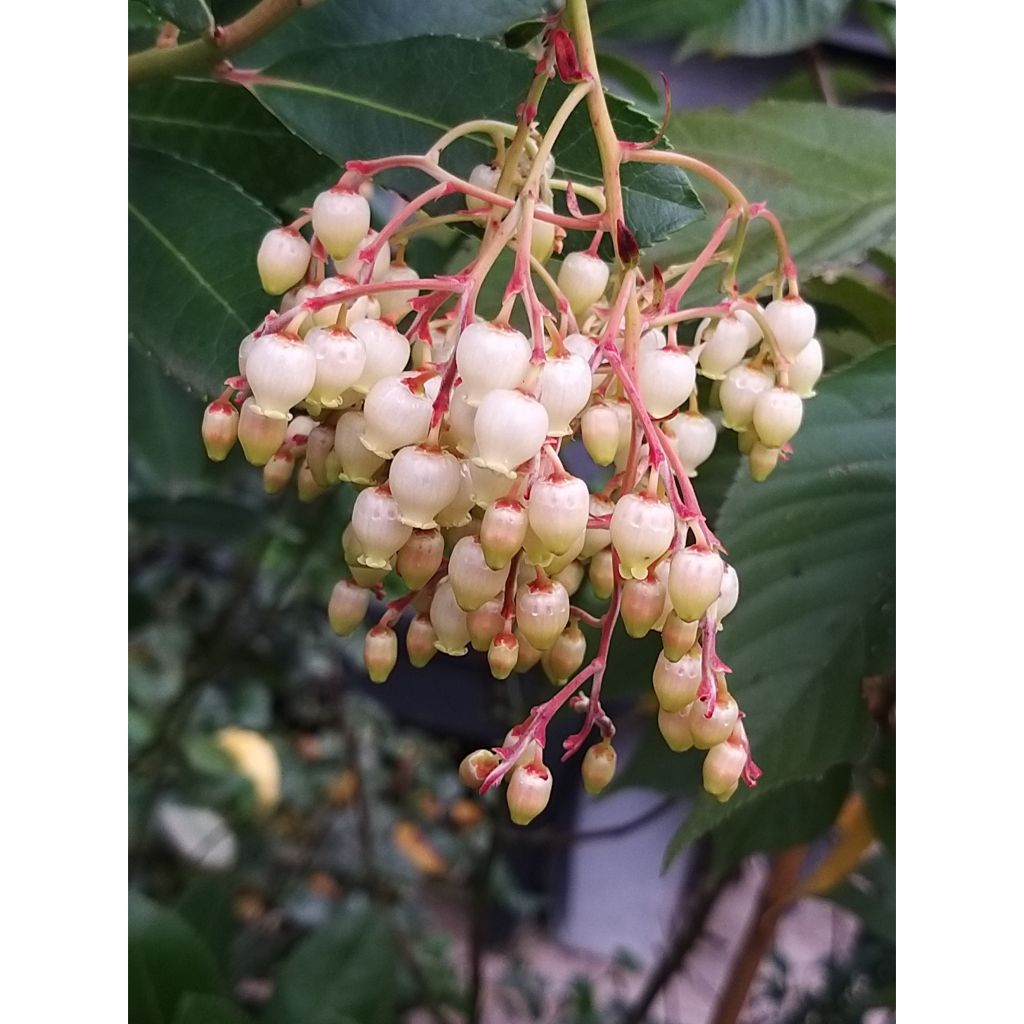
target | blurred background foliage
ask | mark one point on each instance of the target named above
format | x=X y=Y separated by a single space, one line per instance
x=289 y=828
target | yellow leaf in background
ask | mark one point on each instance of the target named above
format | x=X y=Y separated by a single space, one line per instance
x=415 y=846
x=256 y=759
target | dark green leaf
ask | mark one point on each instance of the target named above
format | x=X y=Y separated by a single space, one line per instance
x=345 y=970
x=194 y=291
x=203 y=516
x=224 y=129
x=814 y=547
x=853 y=301
x=633 y=78
x=848 y=82
x=143 y=26
x=370 y=101
x=828 y=173
x=192 y=15
x=877 y=781
x=166 y=959
x=519 y=35
x=206 y=904
x=197 y=1009
x=657 y=19
x=764 y=27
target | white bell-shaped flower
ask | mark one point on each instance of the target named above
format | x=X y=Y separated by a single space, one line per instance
x=259 y=435
x=542 y=612
x=674 y=727
x=695 y=440
x=281 y=369
x=597 y=538
x=482 y=176
x=510 y=428
x=340 y=358
x=723 y=344
x=694 y=581
x=565 y=386
x=754 y=332
x=642 y=604
x=363 y=307
x=448 y=620
x=355 y=268
x=709 y=732
x=423 y=480
x=473 y=580
x=676 y=682
x=460 y=420
x=793 y=323
x=503 y=531
x=358 y=464
x=387 y=352
x=666 y=377
x=582 y=279
x=420 y=557
x=738 y=395
x=282 y=260
x=599 y=427
x=778 y=413
x=642 y=529
x=805 y=370
x=458 y=511
x=341 y=219
x=347 y=607
x=558 y=510
x=490 y=356
x=395 y=304
x=729 y=593
x=487 y=485
x=397 y=411
x=377 y=522
x=723 y=767
x=542 y=236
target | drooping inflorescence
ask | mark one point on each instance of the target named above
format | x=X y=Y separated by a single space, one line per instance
x=453 y=423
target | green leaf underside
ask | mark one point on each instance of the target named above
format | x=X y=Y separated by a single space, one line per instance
x=341 y=103
x=828 y=173
x=192 y=277
x=814 y=547
x=761 y=28
x=224 y=129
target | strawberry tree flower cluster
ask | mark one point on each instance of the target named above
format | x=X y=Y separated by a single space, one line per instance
x=453 y=425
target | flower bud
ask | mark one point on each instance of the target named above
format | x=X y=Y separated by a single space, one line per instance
x=724 y=344
x=278 y=471
x=387 y=352
x=448 y=620
x=542 y=236
x=378 y=526
x=220 y=429
x=259 y=435
x=420 y=641
x=472 y=580
x=642 y=604
x=476 y=767
x=347 y=607
x=599 y=427
x=666 y=378
x=558 y=509
x=723 y=767
x=397 y=412
x=528 y=793
x=674 y=727
x=503 y=655
x=598 y=767
x=602 y=574
x=341 y=219
x=527 y=655
x=484 y=624
x=502 y=531
x=730 y=592
x=566 y=655
x=423 y=480
x=694 y=581
x=340 y=358
x=582 y=279
x=571 y=576
x=542 y=611
x=483 y=176
x=319 y=442
x=361 y=270
x=280 y=370
x=491 y=356
x=642 y=529
x=763 y=461
x=305 y=486
x=777 y=416
x=458 y=511
x=676 y=682
x=695 y=440
x=708 y=732
x=419 y=558
x=282 y=260
x=806 y=368
x=358 y=464
x=510 y=429
x=738 y=395
x=793 y=323
x=565 y=387
x=395 y=305
x=677 y=636
x=380 y=652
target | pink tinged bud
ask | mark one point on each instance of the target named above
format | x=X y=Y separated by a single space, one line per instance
x=582 y=279
x=674 y=727
x=558 y=509
x=598 y=767
x=307 y=488
x=358 y=464
x=503 y=655
x=484 y=624
x=642 y=604
x=378 y=526
x=724 y=344
x=676 y=682
x=738 y=395
x=397 y=412
x=458 y=511
x=476 y=767
x=528 y=793
x=278 y=471
x=730 y=592
x=566 y=656
x=542 y=612
x=341 y=219
x=491 y=356
x=695 y=440
x=502 y=531
x=448 y=620
x=423 y=480
x=420 y=641
x=666 y=378
x=419 y=558
x=806 y=369
x=282 y=260
x=677 y=636
x=319 y=443
x=259 y=435
x=708 y=732
x=380 y=652
x=599 y=427
x=602 y=574
x=528 y=655
x=599 y=537
x=387 y=352
x=763 y=461
x=565 y=387
x=472 y=580
x=723 y=767
x=395 y=304
x=347 y=607
x=777 y=416
x=510 y=429
x=280 y=370
x=220 y=429
x=571 y=577
x=694 y=581
x=531 y=753
x=299 y=429
x=340 y=358
x=793 y=323
x=355 y=268
x=642 y=529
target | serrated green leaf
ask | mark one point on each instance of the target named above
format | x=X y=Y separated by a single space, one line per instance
x=657 y=19
x=224 y=129
x=345 y=970
x=761 y=28
x=814 y=547
x=193 y=288
x=853 y=301
x=828 y=173
x=193 y=16
x=369 y=101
